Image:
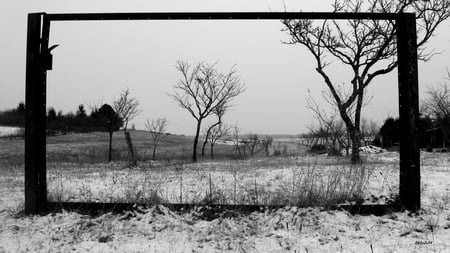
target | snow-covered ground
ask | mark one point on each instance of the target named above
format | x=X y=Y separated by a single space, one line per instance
x=4 y=130
x=289 y=229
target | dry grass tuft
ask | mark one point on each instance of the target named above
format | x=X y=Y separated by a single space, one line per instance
x=310 y=188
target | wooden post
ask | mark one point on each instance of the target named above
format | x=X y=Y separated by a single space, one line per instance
x=35 y=116
x=409 y=111
x=131 y=155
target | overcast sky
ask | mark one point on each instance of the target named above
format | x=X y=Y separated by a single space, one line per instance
x=96 y=60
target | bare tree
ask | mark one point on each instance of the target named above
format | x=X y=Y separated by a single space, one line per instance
x=127 y=108
x=330 y=128
x=251 y=141
x=219 y=112
x=235 y=134
x=366 y=47
x=266 y=142
x=369 y=130
x=215 y=134
x=202 y=89
x=437 y=106
x=157 y=128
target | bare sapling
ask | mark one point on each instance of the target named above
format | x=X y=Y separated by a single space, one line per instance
x=237 y=141
x=157 y=128
x=330 y=128
x=266 y=142
x=251 y=142
x=219 y=112
x=217 y=133
x=127 y=108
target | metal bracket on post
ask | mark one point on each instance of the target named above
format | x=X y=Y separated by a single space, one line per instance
x=48 y=57
x=409 y=111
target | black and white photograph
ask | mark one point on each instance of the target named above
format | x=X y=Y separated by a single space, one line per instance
x=225 y=126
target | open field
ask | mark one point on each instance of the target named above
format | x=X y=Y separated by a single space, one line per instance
x=8 y=131
x=77 y=171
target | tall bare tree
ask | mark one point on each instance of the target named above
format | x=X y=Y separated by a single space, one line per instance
x=202 y=89
x=127 y=108
x=157 y=128
x=366 y=47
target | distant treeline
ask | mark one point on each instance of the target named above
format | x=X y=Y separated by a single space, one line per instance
x=431 y=133
x=13 y=117
x=79 y=121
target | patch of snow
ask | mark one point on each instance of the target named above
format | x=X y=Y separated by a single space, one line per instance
x=4 y=131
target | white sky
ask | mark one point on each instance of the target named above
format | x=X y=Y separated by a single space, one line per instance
x=96 y=60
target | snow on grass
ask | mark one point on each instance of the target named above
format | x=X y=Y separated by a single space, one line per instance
x=6 y=130
x=295 y=181
x=289 y=229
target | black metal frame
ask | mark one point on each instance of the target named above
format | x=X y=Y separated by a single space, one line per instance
x=39 y=61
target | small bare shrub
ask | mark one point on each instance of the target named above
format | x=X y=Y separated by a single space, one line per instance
x=309 y=187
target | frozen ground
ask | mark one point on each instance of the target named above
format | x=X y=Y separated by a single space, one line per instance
x=289 y=229
x=4 y=130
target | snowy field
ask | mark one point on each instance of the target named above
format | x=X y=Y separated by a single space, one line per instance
x=158 y=229
x=4 y=130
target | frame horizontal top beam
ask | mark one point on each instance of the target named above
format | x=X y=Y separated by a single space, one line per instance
x=218 y=16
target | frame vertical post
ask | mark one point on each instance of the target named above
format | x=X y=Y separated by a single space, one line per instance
x=409 y=111
x=35 y=119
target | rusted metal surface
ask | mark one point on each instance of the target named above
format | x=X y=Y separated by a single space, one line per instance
x=408 y=86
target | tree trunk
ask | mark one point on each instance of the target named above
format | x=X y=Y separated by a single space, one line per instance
x=347 y=148
x=207 y=136
x=110 y=146
x=132 y=157
x=197 y=133
x=238 y=148
x=444 y=138
x=204 y=145
x=154 y=151
x=212 y=150
x=356 y=142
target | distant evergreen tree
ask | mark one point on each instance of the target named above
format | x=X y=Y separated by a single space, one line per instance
x=111 y=120
x=427 y=135
x=98 y=120
x=13 y=117
x=51 y=114
x=390 y=132
x=81 y=112
x=21 y=108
